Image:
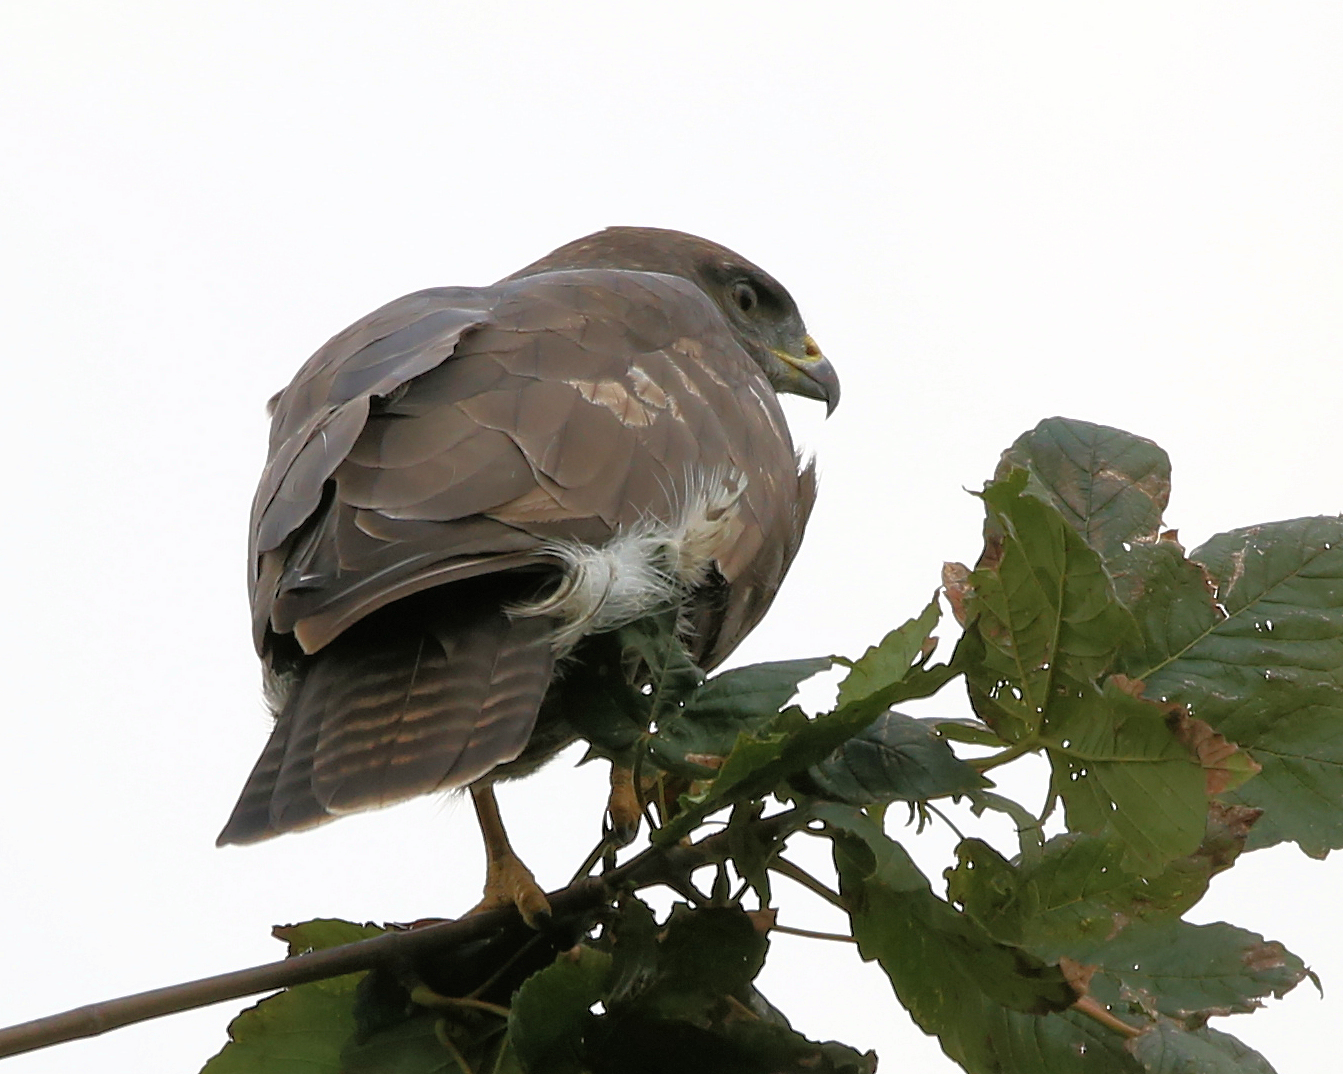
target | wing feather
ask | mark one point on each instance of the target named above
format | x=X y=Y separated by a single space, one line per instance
x=423 y=462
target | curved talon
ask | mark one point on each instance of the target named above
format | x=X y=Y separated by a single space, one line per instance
x=507 y=881
x=510 y=883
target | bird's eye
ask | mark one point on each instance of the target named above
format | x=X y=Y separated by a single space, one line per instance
x=743 y=294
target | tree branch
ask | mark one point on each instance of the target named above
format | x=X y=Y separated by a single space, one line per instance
x=653 y=866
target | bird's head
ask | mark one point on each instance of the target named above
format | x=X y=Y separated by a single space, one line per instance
x=758 y=307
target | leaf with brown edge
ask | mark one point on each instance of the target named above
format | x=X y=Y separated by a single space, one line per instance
x=1043 y=613
x=956 y=585
x=1229 y=827
x=1224 y=763
x=1118 y=767
x=1260 y=660
x=1111 y=485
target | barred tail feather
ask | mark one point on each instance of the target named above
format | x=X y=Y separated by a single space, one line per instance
x=392 y=710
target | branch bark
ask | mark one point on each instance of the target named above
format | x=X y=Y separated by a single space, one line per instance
x=656 y=865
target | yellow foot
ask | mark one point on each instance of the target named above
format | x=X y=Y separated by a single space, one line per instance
x=623 y=808
x=510 y=883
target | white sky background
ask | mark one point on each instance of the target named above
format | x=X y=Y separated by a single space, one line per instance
x=990 y=213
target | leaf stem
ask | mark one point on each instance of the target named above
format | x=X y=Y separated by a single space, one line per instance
x=1089 y=1006
x=945 y=819
x=427 y=997
x=441 y=1032
x=786 y=868
x=1026 y=745
x=835 y=937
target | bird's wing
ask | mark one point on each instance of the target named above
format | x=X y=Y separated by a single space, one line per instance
x=563 y=407
x=319 y=415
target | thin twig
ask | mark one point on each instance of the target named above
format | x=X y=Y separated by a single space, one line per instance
x=479 y=990
x=654 y=865
x=389 y=949
x=598 y=852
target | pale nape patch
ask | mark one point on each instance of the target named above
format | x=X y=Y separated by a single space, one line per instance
x=651 y=565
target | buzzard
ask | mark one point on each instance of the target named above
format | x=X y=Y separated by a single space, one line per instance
x=469 y=484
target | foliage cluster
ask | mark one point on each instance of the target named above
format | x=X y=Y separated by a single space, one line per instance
x=1187 y=704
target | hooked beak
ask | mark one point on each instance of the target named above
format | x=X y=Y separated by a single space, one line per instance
x=809 y=374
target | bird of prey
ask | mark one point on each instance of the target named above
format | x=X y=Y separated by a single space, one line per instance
x=469 y=484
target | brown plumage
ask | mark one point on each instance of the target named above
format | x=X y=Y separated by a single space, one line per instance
x=467 y=483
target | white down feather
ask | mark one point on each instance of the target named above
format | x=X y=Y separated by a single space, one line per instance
x=651 y=565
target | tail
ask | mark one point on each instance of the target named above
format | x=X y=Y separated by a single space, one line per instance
x=400 y=705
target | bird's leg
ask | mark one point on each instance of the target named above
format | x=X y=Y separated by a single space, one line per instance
x=623 y=809
x=507 y=881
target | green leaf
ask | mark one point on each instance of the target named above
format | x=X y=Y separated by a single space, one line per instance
x=638 y=1043
x=410 y=1047
x=634 y=950
x=1171 y=597
x=888 y=663
x=1118 y=765
x=323 y=932
x=550 y=1014
x=775 y=1048
x=300 y=1029
x=960 y=984
x=1080 y=900
x=742 y=700
x=935 y=955
x=662 y=667
x=1168 y=1048
x=303 y=1028
x=1261 y=661
x=791 y=742
x=760 y=762
x=896 y=758
x=1076 y=892
x=1251 y=1061
x=629 y=677
x=1111 y=486
x=601 y=703
x=754 y=691
x=668 y=1007
x=971 y=732
x=751 y=849
x=1190 y=972
x=703 y=955
x=1041 y=611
